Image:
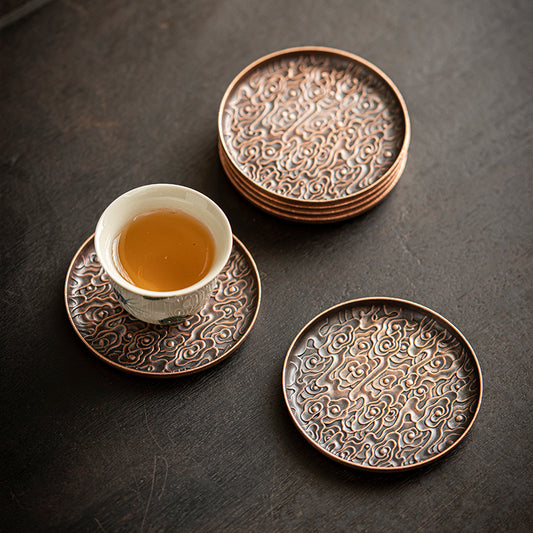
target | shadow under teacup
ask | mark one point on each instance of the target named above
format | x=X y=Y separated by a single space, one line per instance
x=162 y=306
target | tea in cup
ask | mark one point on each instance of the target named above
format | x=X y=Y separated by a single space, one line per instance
x=163 y=246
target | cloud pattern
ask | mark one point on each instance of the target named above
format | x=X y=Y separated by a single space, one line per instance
x=202 y=340
x=313 y=126
x=382 y=386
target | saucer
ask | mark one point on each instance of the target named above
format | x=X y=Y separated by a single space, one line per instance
x=162 y=351
x=382 y=384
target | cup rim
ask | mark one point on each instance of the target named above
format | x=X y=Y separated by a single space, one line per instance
x=215 y=269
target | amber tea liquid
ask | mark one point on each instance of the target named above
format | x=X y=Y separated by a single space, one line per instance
x=164 y=250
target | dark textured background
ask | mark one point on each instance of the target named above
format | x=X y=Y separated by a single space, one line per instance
x=100 y=96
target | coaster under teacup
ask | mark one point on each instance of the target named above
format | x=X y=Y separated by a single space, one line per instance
x=132 y=345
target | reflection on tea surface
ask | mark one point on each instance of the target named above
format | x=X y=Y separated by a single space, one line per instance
x=164 y=250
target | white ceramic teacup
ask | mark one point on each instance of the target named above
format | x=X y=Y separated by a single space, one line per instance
x=154 y=306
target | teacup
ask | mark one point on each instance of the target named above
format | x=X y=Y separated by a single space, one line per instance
x=162 y=307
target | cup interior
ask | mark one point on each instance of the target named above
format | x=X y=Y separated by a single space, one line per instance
x=161 y=196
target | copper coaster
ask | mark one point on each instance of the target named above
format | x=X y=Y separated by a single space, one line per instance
x=162 y=351
x=382 y=384
x=257 y=196
x=319 y=216
x=313 y=124
x=344 y=203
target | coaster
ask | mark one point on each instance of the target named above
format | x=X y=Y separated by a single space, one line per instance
x=162 y=351
x=382 y=384
x=313 y=124
x=317 y=215
x=257 y=196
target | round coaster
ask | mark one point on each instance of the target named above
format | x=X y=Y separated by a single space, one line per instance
x=255 y=195
x=382 y=384
x=326 y=215
x=313 y=124
x=162 y=351
x=233 y=174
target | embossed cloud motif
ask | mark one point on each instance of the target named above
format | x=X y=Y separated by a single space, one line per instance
x=381 y=388
x=313 y=126
x=195 y=343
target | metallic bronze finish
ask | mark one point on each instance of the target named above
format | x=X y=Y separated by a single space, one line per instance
x=326 y=216
x=318 y=210
x=314 y=125
x=342 y=203
x=382 y=384
x=257 y=195
x=162 y=351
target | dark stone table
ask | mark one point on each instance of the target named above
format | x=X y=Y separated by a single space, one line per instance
x=97 y=97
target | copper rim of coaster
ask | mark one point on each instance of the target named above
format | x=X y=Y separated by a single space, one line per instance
x=134 y=346
x=312 y=206
x=382 y=384
x=283 y=205
x=318 y=210
x=363 y=75
x=322 y=216
x=317 y=219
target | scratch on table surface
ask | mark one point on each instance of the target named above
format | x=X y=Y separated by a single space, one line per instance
x=137 y=488
x=407 y=249
x=164 y=480
x=150 y=496
x=99 y=524
x=149 y=430
x=154 y=476
x=170 y=438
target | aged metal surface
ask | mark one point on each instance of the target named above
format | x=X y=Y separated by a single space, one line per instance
x=313 y=124
x=98 y=97
x=310 y=207
x=382 y=384
x=162 y=351
x=316 y=214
